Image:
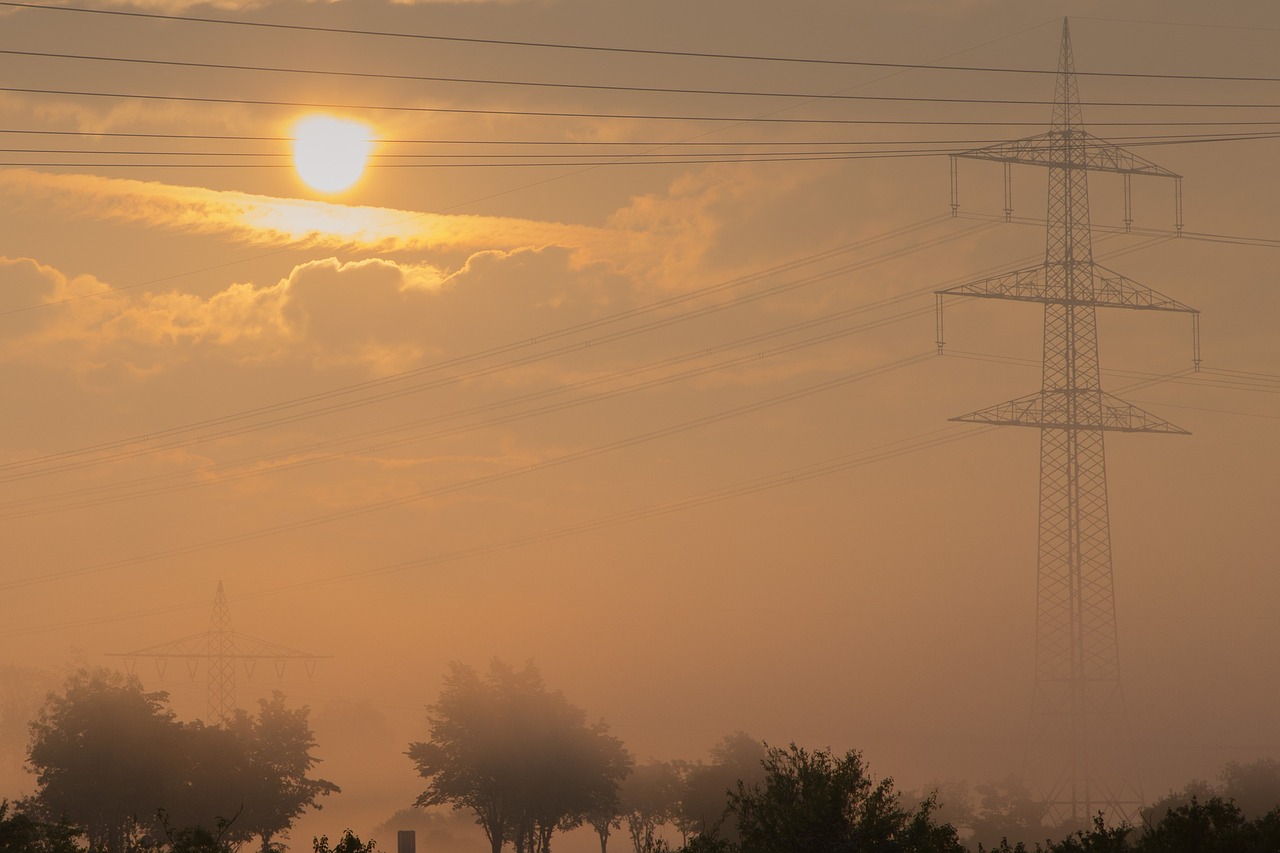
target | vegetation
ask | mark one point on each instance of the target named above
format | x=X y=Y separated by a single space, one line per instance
x=23 y=832
x=1214 y=826
x=118 y=773
x=704 y=804
x=650 y=798
x=522 y=759
x=348 y=843
x=824 y=803
x=112 y=761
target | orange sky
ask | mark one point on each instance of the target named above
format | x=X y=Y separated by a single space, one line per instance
x=777 y=310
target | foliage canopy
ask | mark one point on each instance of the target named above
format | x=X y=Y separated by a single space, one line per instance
x=523 y=759
x=114 y=762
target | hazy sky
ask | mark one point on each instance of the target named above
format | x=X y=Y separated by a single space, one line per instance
x=414 y=422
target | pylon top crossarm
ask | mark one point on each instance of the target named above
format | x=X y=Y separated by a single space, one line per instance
x=252 y=648
x=195 y=645
x=1074 y=149
x=242 y=647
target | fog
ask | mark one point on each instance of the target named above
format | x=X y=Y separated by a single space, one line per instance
x=676 y=434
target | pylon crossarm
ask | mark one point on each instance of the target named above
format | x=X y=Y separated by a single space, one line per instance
x=1080 y=150
x=196 y=645
x=1020 y=284
x=1113 y=290
x=1110 y=290
x=253 y=648
x=1079 y=410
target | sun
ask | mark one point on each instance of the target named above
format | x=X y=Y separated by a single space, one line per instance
x=330 y=153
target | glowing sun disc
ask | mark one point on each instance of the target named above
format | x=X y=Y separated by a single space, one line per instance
x=330 y=153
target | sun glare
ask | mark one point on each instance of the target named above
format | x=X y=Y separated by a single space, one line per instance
x=330 y=153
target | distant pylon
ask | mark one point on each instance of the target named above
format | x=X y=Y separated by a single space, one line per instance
x=220 y=648
x=222 y=661
x=1079 y=757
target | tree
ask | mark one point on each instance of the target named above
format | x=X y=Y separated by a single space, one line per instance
x=953 y=803
x=349 y=843
x=102 y=753
x=1216 y=825
x=18 y=830
x=1100 y=839
x=820 y=803
x=22 y=832
x=1254 y=786
x=1195 y=790
x=198 y=839
x=604 y=818
x=522 y=759
x=705 y=802
x=1006 y=810
x=650 y=798
x=113 y=761
x=278 y=791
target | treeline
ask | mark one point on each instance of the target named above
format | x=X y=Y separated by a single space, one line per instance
x=117 y=773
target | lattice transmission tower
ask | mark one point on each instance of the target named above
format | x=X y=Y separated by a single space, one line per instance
x=1079 y=758
x=220 y=649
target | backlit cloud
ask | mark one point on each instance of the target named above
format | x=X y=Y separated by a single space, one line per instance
x=379 y=314
x=265 y=220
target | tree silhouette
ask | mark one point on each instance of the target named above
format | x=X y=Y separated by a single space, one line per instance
x=705 y=802
x=279 y=742
x=1254 y=786
x=650 y=798
x=23 y=832
x=1215 y=825
x=821 y=803
x=113 y=761
x=522 y=759
x=102 y=753
x=348 y=843
x=1006 y=809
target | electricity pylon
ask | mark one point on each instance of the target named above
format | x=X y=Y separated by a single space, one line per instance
x=220 y=648
x=1079 y=759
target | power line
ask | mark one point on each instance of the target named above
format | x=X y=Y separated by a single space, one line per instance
x=1195 y=380
x=796 y=150
x=535 y=396
x=600 y=87
x=513 y=164
x=1035 y=102
x=803 y=60
x=869 y=155
x=1157 y=23
x=800 y=474
x=677 y=142
x=489 y=479
x=1203 y=236
x=164 y=484
x=498 y=161
x=890 y=450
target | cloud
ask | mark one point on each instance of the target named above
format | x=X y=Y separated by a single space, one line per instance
x=708 y=221
x=438 y=285
x=265 y=220
x=377 y=314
